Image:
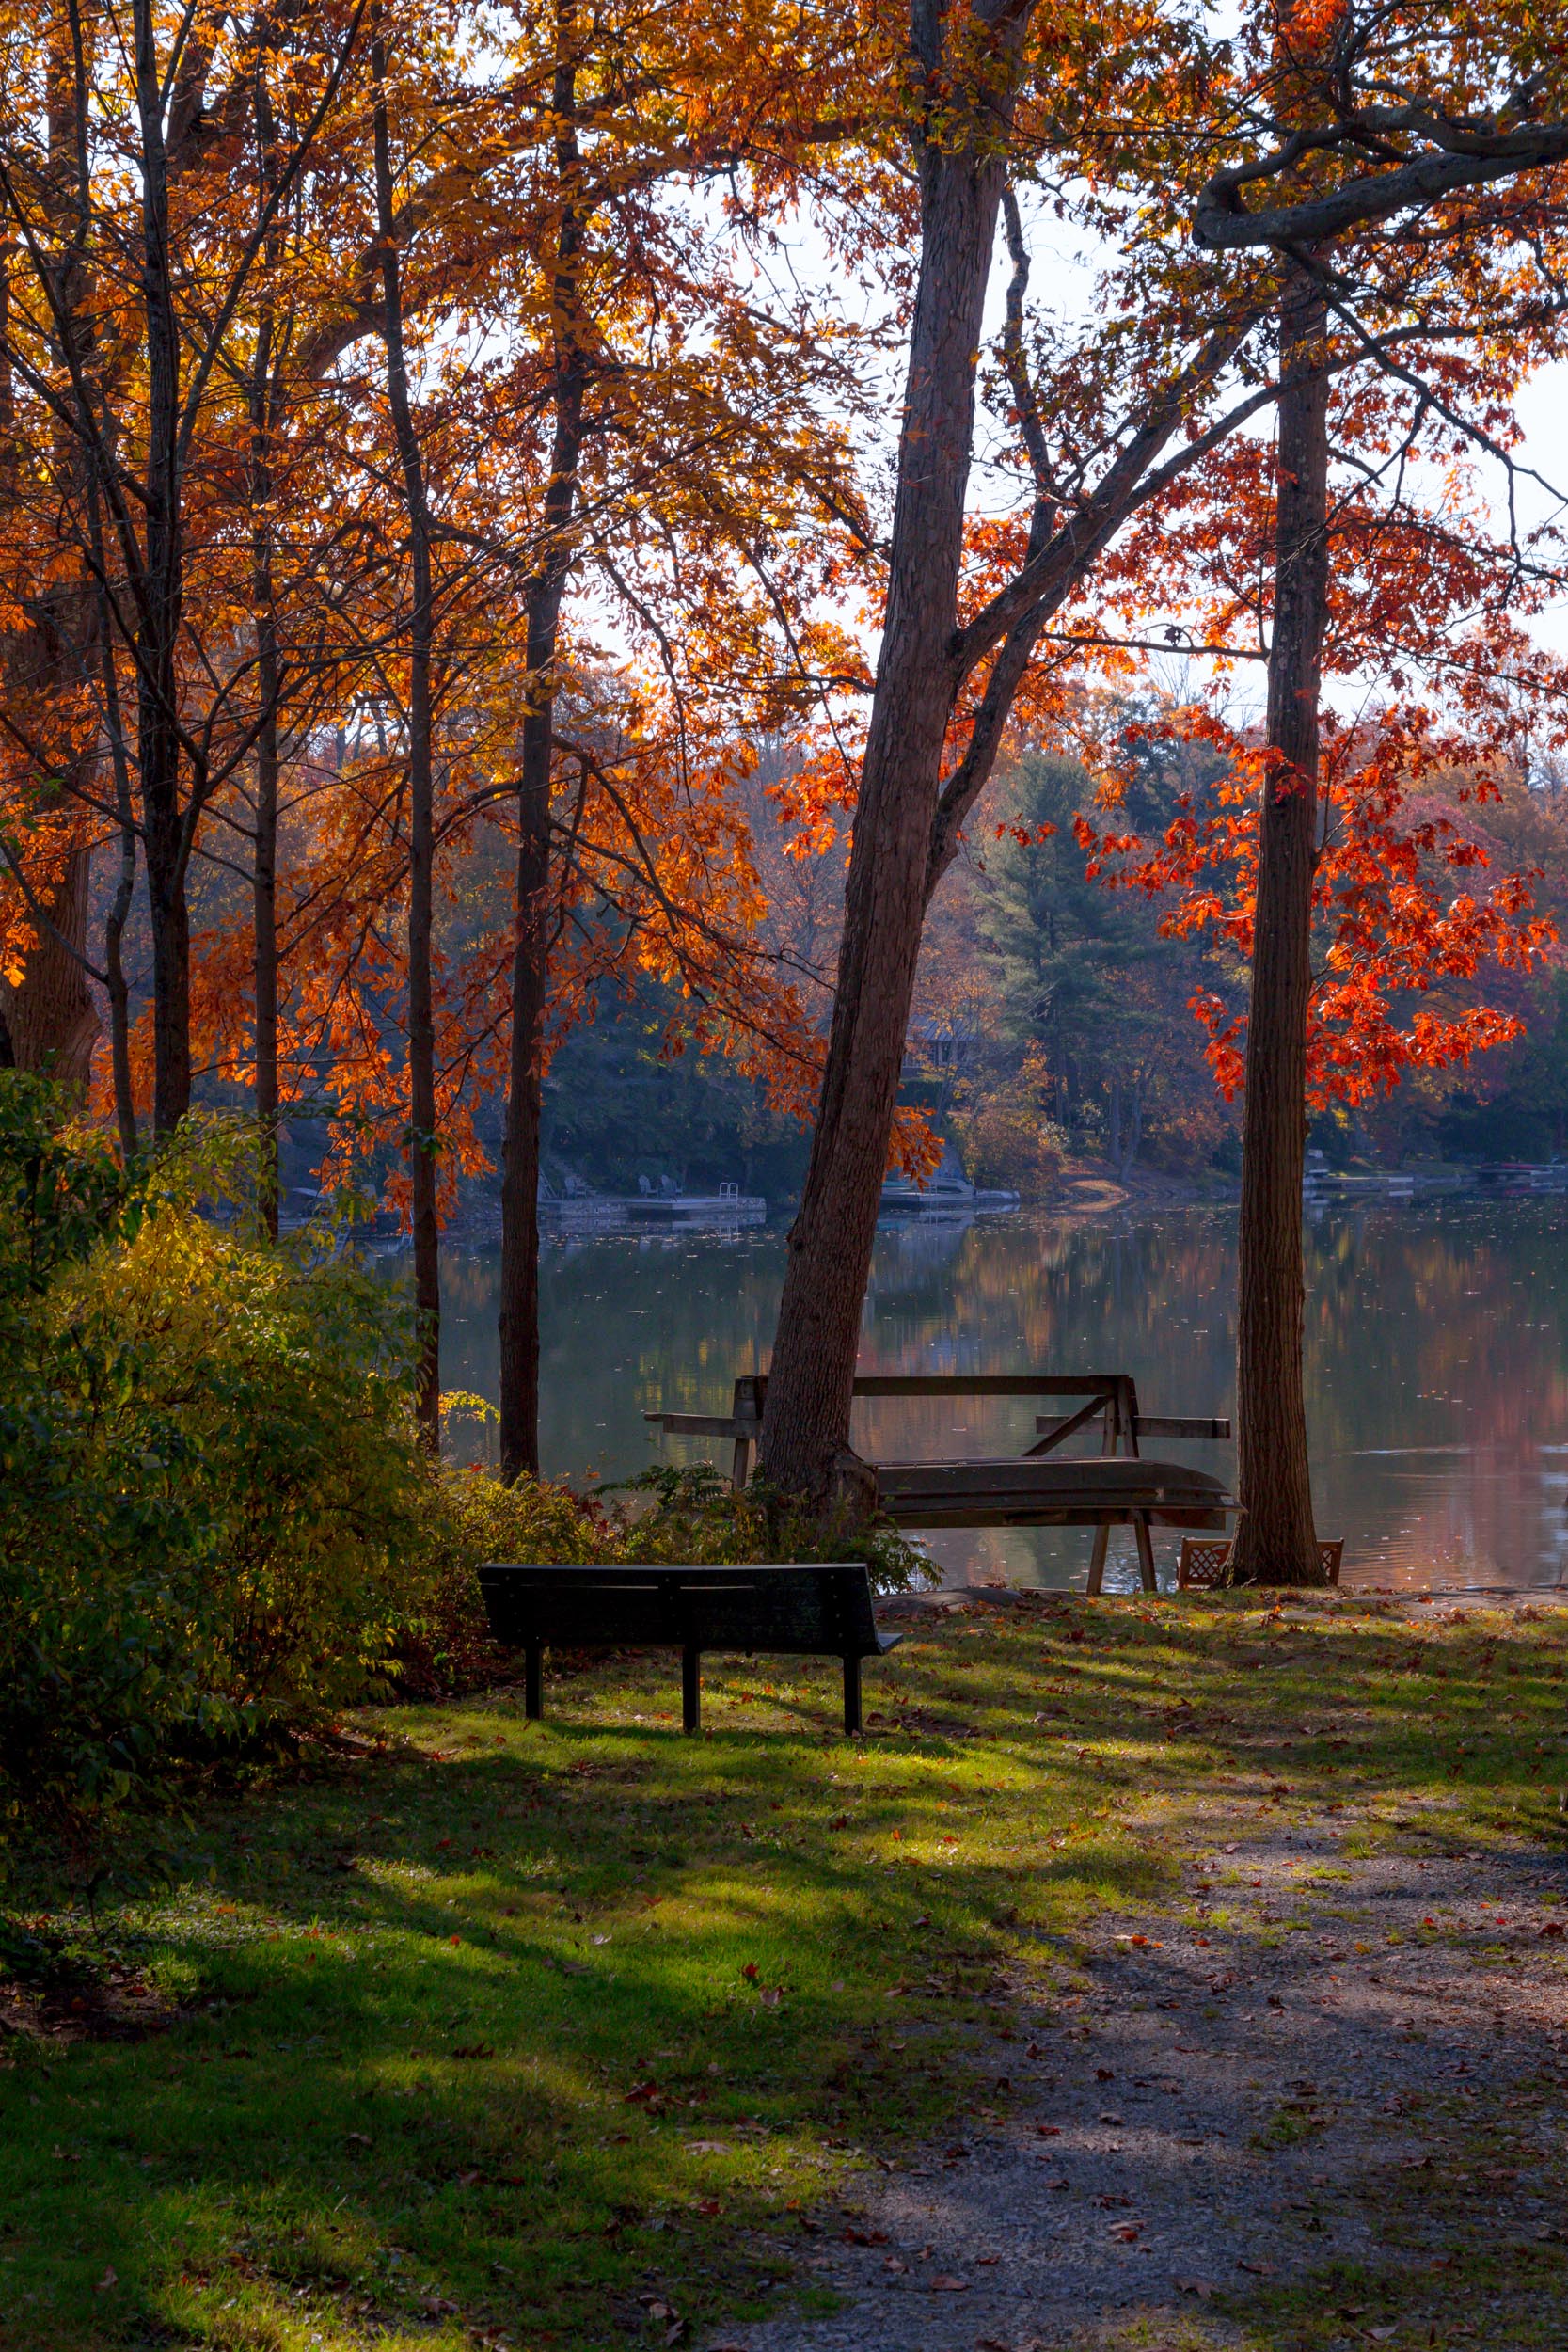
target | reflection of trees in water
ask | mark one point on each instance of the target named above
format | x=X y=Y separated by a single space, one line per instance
x=1435 y=1325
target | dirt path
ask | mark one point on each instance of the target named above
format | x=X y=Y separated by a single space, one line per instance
x=1320 y=2103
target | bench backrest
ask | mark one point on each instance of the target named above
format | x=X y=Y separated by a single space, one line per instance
x=811 y=1608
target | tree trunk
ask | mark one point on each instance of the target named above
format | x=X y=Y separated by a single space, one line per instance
x=805 y=1436
x=520 y=1292
x=268 y=687
x=422 y=1136
x=159 y=621
x=264 y=910
x=1276 y=1542
x=49 y=1012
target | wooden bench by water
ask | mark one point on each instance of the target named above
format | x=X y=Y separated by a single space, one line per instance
x=1117 y=1486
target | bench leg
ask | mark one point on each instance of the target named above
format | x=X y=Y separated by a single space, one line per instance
x=692 y=1689
x=1146 y=1553
x=534 y=1682
x=1097 y=1558
x=852 y=1694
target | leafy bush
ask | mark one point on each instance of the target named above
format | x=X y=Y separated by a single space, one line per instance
x=216 y=1524
x=686 y=1515
x=210 y=1495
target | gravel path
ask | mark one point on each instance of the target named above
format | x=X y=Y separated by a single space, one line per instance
x=1308 y=2061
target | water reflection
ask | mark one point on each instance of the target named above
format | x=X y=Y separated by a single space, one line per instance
x=1436 y=1360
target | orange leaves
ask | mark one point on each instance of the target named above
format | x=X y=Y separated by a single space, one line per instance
x=1401 y=944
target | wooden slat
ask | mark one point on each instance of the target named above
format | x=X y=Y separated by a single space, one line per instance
x=1057 y=1431
x=1180 y=1425
x=1152 y=1425
x=1118 y=1474
x=988 y=1384
x=702 y=1424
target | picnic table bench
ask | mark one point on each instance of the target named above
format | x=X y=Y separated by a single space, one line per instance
x=802 y=1608
x=1118 y=1487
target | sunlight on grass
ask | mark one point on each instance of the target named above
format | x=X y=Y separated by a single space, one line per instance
x=494 y=2032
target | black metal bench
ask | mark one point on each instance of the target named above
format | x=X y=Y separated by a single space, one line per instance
x=803 y=1608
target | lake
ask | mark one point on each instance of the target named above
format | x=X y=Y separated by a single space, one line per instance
x=1436 y=1362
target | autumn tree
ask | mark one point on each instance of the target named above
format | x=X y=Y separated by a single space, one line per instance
x=1318 y=110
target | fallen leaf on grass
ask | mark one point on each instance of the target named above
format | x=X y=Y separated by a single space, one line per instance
x=944 y=2283
x=110 y=2279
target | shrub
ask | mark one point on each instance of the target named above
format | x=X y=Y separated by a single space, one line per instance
x=689 y=1516
x=210 y=1495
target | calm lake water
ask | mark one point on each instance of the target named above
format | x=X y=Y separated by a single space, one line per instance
x=1436 y=1362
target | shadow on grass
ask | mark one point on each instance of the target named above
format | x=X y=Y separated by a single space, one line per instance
x=495 y=2039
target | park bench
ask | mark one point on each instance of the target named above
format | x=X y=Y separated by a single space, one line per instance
x=1117 y=1486
x=801 y=1609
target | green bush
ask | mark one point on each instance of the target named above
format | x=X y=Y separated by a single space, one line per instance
x=216 y=1524
x=686 y=1515
x=210 y=1495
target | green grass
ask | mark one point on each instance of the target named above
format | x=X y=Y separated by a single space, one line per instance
x=553 y=2036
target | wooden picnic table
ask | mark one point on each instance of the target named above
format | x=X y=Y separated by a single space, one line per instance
x=1117 y=1486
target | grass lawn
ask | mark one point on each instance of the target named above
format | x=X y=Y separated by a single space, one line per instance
x=551 y=2036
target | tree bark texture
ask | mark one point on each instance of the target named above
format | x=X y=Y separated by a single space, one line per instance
x=805 y=1436
x=520 y=1292
x=1275 y=1541
x=160 y=610
x=50 y=1013
x=269 y=691
x=422 y=1136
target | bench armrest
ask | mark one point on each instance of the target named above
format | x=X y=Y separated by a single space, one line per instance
x=702 y=1424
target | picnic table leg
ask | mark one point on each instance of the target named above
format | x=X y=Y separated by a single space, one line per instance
x=1097 y=1557
x=852 y=1694
x=1146 y=1553
x=692 y=1689
x=533 y=1681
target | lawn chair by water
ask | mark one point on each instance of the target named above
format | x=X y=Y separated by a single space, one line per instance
x=1205 y=1562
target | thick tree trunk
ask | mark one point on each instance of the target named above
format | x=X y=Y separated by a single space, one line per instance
x=1275 y=1540
x=424 y=1141
x=519 y=1293
x=805 y=1437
